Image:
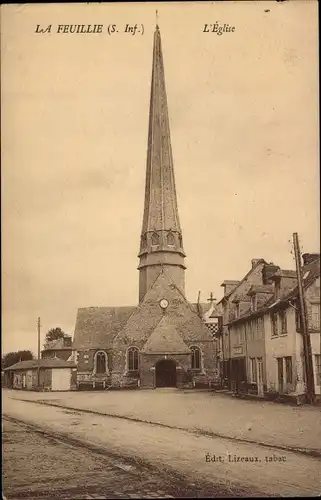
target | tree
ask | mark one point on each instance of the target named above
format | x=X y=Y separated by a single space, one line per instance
x=11 y=358
x=54 y=334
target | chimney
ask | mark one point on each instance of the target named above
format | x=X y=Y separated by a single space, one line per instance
x=268 y=271
x=310 y=257
x=254 y=262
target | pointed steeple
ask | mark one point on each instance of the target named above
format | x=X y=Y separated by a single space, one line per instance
x=160 y=211
x=161 y=236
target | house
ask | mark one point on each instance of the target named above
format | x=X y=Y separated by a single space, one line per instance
x=232 y=353
x=266 y=330
x=59 y=348
x=285 y=360
x=46 y=374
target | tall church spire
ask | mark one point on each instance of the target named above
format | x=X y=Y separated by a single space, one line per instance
x=161 y=238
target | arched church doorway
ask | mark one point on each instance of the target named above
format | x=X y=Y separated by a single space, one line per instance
x=165 y=373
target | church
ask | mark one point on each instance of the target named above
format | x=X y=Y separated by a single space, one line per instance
x=163 y=341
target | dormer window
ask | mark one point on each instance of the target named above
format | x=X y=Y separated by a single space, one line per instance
x=170 y=240
x=155 y=239
x=253 y=303
x=237 y=311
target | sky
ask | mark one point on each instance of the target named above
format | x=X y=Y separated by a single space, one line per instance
x=245 y=136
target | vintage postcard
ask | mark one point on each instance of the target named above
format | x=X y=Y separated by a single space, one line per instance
x=160 y=243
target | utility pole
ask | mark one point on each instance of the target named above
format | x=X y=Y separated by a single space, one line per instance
x=304 y=323
x=38 y=371
x=39 y=338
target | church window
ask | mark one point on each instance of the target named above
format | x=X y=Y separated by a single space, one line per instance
x=196 y=358
x=155 y=239
x=144 y=241
x=100 y=362
x=180 y=239
x=132 y=359
x=170 y=239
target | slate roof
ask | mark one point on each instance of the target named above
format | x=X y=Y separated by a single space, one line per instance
x=42 y=363
x=310 y=272
x=96 y=327
x=107 y=327
x=241 y=298
x=148 y=314
x=160 y=207
x=165 y=338
x=269 y=289
x=285 y=273
x=259 y=261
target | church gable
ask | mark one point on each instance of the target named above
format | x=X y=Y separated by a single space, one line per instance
x=148 y=314
x=165 y=338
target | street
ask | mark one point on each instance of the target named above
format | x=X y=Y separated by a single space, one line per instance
x=210 y=413
x=178 y=462
x=37 y=465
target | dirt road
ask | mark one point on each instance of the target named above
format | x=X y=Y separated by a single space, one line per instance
x=217 y=467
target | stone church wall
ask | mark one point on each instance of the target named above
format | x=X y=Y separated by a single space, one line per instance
x=86 y=378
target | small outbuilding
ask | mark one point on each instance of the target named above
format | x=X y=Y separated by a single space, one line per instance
x=50 y=374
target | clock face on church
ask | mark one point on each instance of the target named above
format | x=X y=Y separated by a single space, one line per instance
x=163 y=303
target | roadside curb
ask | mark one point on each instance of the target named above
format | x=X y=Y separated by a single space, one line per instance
x=196 y=431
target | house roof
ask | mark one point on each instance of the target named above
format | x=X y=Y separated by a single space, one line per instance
x=165 y=339
x=57 y=344
x=42 y=363
x=258 y=262
x=310 y=272
x=241 y=298
x=230 y=282
x=269 y=289
x=284 y=273
x=96 y=327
